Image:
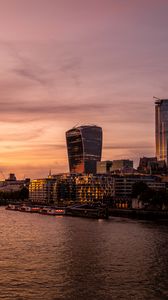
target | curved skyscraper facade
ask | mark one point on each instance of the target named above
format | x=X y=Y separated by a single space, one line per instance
x=161 y=129
x=84 y=145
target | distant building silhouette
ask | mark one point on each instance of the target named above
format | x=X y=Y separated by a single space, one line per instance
x=84 y=145
x=150 y=165
x=161 y=129
x=104 y=166
x=147 y=164
x=121 y=164
x=115 y=166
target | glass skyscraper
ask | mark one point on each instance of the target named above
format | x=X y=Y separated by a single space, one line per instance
x=84 y=145
x=161 y=129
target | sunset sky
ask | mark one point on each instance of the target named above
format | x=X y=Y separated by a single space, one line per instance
x=68 y=62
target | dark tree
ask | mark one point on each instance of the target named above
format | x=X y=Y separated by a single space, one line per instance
x=24 y=193
x=138 y=188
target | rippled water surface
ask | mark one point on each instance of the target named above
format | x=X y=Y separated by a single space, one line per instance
x=44 y=257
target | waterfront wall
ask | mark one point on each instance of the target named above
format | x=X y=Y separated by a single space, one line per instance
x=139 y=214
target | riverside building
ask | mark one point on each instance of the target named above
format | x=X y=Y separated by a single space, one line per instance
x=82 y=188
x=12 y=184
x=123 y=184
x=67 y=189
x=84 y=145
x=41 y=191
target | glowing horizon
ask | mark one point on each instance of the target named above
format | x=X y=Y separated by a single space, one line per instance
x=66 y=63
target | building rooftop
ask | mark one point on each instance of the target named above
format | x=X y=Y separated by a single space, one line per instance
x=160 y=101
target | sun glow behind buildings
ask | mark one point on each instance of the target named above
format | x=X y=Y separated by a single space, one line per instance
x=78 y=62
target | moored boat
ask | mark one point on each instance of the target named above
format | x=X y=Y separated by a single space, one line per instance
x=35 y=209
x=88 y=211
x=52 y=211
x=12 y=207
x=25 y=208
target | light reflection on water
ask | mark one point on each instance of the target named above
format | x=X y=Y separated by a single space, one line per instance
x=44 y=257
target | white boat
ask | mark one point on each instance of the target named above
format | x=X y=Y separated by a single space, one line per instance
x=52 y=211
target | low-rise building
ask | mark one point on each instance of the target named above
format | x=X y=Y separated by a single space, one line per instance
x=65 y=189
x=41 y=190
x=123 y=184
x=94 y=188
x=79 y=188
x=121 y=164
x=12 y=184
x=104 y=167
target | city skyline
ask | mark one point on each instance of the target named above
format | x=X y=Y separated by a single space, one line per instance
x=79 y=62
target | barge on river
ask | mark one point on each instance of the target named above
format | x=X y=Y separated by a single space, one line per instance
x=88 y=211
x=51 y=211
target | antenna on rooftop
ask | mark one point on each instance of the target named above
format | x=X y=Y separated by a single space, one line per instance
x=49 y=174
x=76 y=125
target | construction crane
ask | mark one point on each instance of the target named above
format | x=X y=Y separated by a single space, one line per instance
x=156 y=98
x=2 y=174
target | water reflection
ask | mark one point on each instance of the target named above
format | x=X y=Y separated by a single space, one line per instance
x=72 y=258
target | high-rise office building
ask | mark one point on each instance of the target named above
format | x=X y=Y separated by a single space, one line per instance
x=161 y=129
x=84 y=145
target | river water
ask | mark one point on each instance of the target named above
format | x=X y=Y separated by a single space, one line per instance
x=44 y=257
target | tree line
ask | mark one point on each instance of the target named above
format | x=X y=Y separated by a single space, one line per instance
x=14 y=196
x=150 y=197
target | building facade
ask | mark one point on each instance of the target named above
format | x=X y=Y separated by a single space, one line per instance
x=67 y=189
x=121 y=164
x=147 y=165
x=82 y=188
x=150 y=165
x=161 y=129
x=12 y=184
x=84 y=145
x=94 y=188
x=41 y=191
x=104 y=167
x=123 y=184
x=64 y=190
